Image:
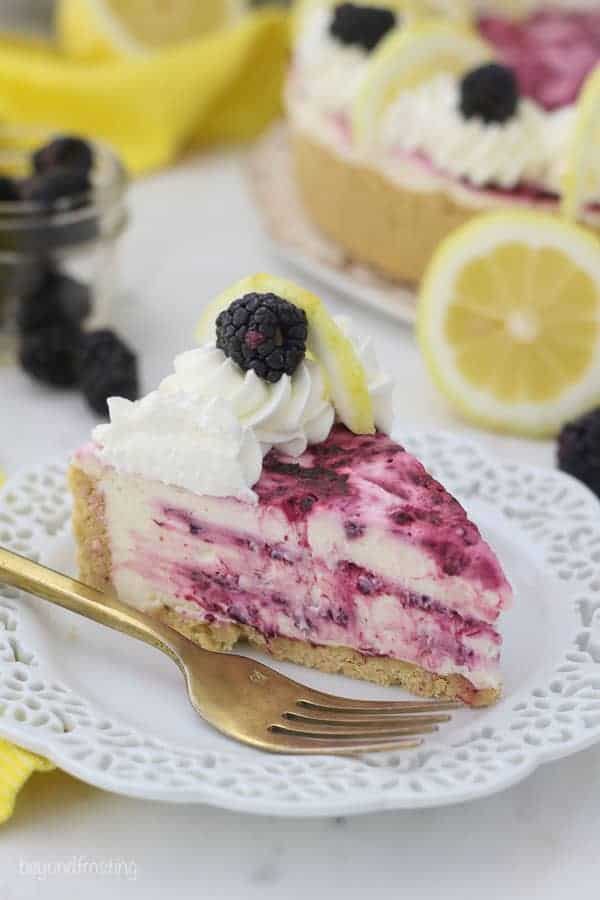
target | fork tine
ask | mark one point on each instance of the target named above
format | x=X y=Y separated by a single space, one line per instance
x=282 y=743
x=328 y=703
x=366 y=722
x=352 y=732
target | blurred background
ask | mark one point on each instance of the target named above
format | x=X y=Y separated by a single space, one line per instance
x=36 y=15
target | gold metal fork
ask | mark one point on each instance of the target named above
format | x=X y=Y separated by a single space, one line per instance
x=240 y=697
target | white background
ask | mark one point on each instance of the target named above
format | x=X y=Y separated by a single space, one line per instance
x=194 y=231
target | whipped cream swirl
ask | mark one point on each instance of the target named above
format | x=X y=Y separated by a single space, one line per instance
x=181 y=439
x=529 y=148
x=209 y=425
x=381 y=385
x=289 y=415
x=328 y=74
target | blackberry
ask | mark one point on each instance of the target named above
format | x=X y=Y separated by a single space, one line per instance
x=579 y=449
x=361 y=26
x=490 y=92
x=9 y=190
x=51 y=355
x=108 y=368
x=57 y=186
x=55 y=299
x=265 y=333
x=66 y=153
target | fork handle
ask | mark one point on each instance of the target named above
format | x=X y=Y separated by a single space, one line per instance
x=71 y=594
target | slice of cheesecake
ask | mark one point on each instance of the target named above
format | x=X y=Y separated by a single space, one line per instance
x=352 y=560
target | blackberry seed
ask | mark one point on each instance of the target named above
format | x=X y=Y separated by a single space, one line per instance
x=361 y=26
x=66 y=153
x=263 y=333
x=51 y=355
x=56 y=299
x=491 y=93
x=57 y=186
x=579 y=449
x=108 y=368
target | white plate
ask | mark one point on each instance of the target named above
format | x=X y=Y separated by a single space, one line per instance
x=294 y=238
x=114 y=712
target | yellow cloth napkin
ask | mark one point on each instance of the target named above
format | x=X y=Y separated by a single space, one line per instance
x=225 y=86
x=16 y=766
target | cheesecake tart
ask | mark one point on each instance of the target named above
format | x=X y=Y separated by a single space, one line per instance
x=257 y=496
x=389 y=172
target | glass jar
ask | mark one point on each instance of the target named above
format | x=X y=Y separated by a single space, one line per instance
x=74 y=240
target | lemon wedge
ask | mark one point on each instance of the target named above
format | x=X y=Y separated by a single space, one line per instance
x=104 y=29
x=409 y=57
x=582 y=178
x=346 y=378
x=509 y=321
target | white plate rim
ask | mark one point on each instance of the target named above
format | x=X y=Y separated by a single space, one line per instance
x=561 y=518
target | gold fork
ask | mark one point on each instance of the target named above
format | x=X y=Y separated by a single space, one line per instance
x=240 y=697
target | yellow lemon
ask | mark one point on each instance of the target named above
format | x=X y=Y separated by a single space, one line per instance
x=582 y=178
x=346 y=378
x=509 y=321
x=101 y=29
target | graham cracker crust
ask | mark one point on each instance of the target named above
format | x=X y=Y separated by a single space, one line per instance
x=94 y=559
x=375 y=220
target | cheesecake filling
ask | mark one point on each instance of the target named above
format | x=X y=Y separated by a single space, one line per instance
x=218 y=576
x=310 y=575
x=522 y=160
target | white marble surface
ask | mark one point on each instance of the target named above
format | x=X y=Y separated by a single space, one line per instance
x=193 y=232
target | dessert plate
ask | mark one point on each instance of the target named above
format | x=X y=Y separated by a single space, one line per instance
x=114 y=713
x=293 y=237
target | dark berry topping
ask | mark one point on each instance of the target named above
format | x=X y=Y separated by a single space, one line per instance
x=51 y=354
x=265 y=333
x=65 y=153
x=354 y=529
x=9 y=190
x=490 y=92
x=57 y=186
x=579 y=449
x=54 y=300
x=362 y=26
x=108 y=369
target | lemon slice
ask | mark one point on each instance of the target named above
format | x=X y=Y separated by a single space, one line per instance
x=346 y=377
x=101 y=29
x=409 y=57
x=582 y=178
x=509 y=321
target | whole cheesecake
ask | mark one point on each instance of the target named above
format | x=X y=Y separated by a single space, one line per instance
x=238 y=508
x=494 y=135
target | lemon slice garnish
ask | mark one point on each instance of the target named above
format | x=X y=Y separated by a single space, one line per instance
x=101 y=29
x=582 y=179
x=346 y=377
x=509 y=321
x=409 y=57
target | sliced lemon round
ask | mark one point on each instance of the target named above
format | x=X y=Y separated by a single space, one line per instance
x=346 y=377
x=409 y=57
x=582 y=177
x=509 y=321
x=101 y=29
